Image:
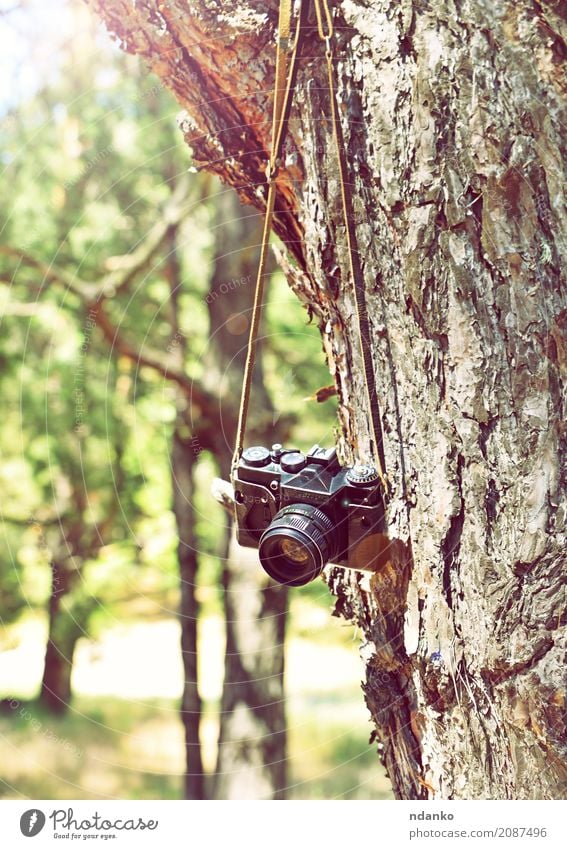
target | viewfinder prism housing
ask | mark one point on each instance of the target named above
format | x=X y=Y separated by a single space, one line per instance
x=302 y=511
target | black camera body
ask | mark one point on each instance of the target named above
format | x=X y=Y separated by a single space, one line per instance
x=302 y=511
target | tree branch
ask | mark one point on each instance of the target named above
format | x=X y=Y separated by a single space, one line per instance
x=161 y=363
x=228 y=120
x=116 y=281
x=34 y=521
x=53 y=274
x=123 y=269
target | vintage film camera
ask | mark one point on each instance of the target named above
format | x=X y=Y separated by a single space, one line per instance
x=302 y=511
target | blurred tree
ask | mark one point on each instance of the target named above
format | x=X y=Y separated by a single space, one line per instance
x=252 y=739
x=90 y=518
x=71 y=490
x=183 y=458
x=453 y=116
x=77 y=163
x=251 y=759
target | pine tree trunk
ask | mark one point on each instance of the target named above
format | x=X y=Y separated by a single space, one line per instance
x=253 y=733
x=252 y=739
x=453 y=115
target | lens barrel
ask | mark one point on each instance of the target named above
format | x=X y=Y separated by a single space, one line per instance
x=297 y=544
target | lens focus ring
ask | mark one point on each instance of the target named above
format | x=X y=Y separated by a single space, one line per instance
x=305 y=530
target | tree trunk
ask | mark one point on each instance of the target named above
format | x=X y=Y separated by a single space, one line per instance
x=252 y=752
x=62 y=638
x=452 y=115
x=253 y=733
x=182 y=461
x=252 y=738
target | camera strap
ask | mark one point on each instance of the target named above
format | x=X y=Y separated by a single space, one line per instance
x=287 y=55
x=286 y=72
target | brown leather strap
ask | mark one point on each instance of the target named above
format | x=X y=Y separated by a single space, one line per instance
x=287 y=56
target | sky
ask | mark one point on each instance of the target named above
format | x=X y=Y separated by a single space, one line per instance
x=31 y=34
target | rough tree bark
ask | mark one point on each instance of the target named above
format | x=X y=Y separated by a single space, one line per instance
x=453 y=115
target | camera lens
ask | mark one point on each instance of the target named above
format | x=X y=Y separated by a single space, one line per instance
x=294 y=550
x=297 y=544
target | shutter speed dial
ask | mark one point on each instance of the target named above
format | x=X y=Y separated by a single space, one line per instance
x=362 y=474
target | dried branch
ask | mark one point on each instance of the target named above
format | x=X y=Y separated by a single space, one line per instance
x=223 y=492
x=53 y=274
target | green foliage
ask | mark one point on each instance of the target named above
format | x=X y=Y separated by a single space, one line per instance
x=84 y=159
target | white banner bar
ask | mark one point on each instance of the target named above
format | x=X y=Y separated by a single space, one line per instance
x=284 y=825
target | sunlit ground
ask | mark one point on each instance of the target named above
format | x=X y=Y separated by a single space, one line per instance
x=122 y=737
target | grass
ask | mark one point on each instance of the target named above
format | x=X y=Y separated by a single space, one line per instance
x=334 y=761
x=122 y=737
x=115 y=749
x=101 y=749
